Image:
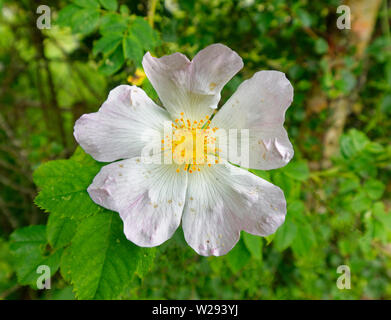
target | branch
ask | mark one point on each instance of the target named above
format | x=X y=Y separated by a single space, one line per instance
x=364 y=14
x=7 y=213
x=151 y=12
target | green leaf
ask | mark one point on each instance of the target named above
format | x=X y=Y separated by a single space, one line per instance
x=124 y=10
x=132 y=49
x=145 y=35
x=100 y=262
x=269 y=239
x=253 y=244
x=85 y=159
x=64 y=186
x=305 y=239
x=374 y=188
x=304 y=17
x=66 y=14
x=297 y=170
x=113 y=62
x=63 y=294
x=92 y=4
x=113 y=23
x=364 y=165
x=348 y=81
x=378 y=224
x=380 y=214
x=107 y=44
x=65 y=264
x=321 y=46
x=238 y=257
x=28 y=248
x=353 y=143
x=360 y=202
x=145 y=263
x=7 y=270
x=103 y=261
x=60 y=230
x=85 y=21
x=349 y=184
x=109 y=4
x=386 y=103
x=286 y=184
x=286 y=234
x=261 y=173
x=150 y=90
x=375 y=148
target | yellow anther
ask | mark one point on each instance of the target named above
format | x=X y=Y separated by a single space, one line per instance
x=192 y=141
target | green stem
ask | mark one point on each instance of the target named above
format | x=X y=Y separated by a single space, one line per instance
x=151 y=12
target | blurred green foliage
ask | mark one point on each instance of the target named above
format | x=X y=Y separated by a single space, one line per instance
x=337 y=215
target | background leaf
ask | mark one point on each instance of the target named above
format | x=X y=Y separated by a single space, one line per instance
x=253 y=245
x=103 y=260
x=109 y=4
x=66 y=194
x=238 y=257
x=28 y=247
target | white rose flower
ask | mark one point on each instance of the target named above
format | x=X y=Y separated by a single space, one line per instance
x=213 y=200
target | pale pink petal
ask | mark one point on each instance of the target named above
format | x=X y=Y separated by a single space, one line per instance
x=259 y=104
x=223 y=200
x=149 y=198
x=192 y=87
x=126 y=122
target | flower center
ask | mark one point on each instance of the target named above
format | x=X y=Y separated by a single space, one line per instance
x=193 y=144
